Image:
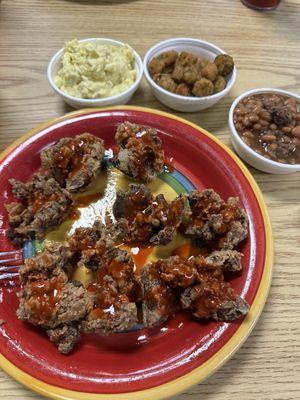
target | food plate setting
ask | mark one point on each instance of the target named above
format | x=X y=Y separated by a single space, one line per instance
x=136 y=248
x=183 y=345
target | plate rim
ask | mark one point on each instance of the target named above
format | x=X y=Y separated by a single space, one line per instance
x=202 y=372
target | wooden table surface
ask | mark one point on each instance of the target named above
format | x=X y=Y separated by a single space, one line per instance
x=266 y=51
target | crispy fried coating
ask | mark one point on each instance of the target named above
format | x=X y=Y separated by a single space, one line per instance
x=114 y=292
x=165 y=81
x=213 y=220
x=225 y=64
x=45 y=201
x=43 y=206
x=160 y=63
x=210 y=72
x=183 y=90
x=64 y=337
x=156 y=66
x=141 y=218
x=86 y=238
x=112 y=312
x=214 y=299
x=52 y=302
x=115 y=288
x=56 y=260
x=219 y=84
x=186 y=59
x=140 y=153
x=198 y=283
x=74 y=162
x=160 y=302
x=203 y=87
x=189 y=75
x=168 y=57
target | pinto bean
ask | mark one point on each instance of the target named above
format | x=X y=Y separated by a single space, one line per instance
x=240 y=110
x=238 y=126
x=253 y=118
x=246 y=121
x=268 y=138
x=296 y=131
x=273 y=146
x=264 y=122
x=247 y=141
x=248 y=134
x=286 y=129
x=265 y=115
x=257 y=127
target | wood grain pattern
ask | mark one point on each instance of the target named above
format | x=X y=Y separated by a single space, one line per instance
x=266 y=50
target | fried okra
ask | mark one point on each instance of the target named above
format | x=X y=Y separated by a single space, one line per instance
x=162 y=61
x=168 y=57
x=219 y=84
x=74 y=162
x=183 y=89
x=210 y=72
x=156 y=66
x=140 y=153
x=203 y=87
x=165 y=81
x=189 y=75
x=225 y=64
x=186 y=59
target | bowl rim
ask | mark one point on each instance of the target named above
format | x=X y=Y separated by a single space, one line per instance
x=96 y=101
x=248 y=149
x=190 y=99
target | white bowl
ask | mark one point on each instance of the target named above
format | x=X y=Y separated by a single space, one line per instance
x=249 y=155
x=185 y=103
x=120 y=98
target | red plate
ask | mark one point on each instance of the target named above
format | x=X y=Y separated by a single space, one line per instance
x=149 y=363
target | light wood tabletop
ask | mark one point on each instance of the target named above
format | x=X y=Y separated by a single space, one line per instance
x=265 y=47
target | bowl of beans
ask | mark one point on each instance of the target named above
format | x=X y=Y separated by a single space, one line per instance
x=265 y=129
x=188 y=74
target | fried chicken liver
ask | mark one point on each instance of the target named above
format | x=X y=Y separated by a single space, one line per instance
x=143 y=218
x=140 y=153
x=42 y=205
x=74 y=162
x=196 y=284
x=212 y=220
